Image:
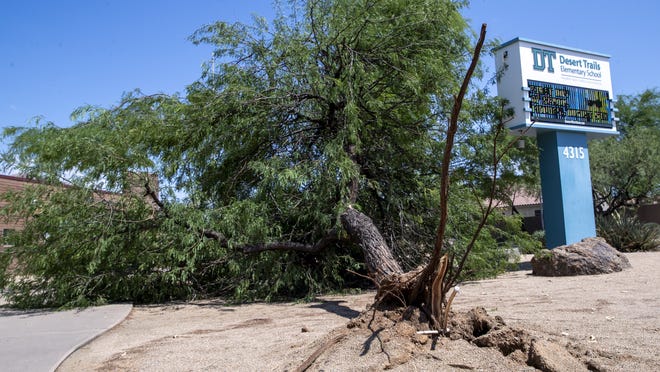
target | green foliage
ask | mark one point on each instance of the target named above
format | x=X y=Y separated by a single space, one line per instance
x=83 y=248
x=625 y=232
x=625 y=169
x=641 y=110
x=336 y=103
x=487 y=149
x=539 y=238
x=544 y=254
x=491 y=253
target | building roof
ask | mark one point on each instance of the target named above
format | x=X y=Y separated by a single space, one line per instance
x=521 y=198
x=525 y=197
x=18 y=178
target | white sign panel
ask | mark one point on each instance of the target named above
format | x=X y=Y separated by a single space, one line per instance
x=551 y=87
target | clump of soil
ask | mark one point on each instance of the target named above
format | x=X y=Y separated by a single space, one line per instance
x=391 y=339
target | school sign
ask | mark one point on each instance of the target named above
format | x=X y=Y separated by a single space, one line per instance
x=564 y=97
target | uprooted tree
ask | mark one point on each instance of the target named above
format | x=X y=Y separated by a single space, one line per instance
x=324 y=137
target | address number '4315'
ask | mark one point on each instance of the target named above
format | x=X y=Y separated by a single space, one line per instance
x=571 y=152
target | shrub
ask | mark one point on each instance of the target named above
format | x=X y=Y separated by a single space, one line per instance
x=625 y=232
x=539 y=237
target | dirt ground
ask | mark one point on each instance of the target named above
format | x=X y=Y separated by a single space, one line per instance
x=612 y=320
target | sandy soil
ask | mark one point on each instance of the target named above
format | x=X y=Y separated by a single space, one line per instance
x=613 y=320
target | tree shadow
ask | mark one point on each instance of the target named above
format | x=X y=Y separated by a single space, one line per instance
x=10 y=311
x=213 y=303
x=524 y=266
x=367 y=344
x=335 y=307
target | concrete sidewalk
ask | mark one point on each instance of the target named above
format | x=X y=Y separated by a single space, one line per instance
x=41 y=340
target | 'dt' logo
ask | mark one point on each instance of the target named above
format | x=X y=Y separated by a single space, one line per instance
x=540 y=58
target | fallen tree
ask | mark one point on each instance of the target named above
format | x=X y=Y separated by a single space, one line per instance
x=427 y=287
x=306 y=148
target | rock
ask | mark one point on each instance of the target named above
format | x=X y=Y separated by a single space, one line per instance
x=420 y=339
x=404 y=329
x=589 y=257
x=550 y=357
x=506 y=339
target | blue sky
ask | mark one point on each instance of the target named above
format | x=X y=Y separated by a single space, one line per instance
x=58 y=55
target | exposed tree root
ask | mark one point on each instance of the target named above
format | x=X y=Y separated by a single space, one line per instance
x=394 y=331
x=320 y=350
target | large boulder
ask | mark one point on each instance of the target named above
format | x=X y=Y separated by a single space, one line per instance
x=589 y=257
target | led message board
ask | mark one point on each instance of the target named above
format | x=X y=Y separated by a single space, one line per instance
x=551 y=87
x=566 y=104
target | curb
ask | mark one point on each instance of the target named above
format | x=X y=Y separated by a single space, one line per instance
x=85 y=342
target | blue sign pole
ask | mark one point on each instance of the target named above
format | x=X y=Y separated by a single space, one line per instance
x=568 y=215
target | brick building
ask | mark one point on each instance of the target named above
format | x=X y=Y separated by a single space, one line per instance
x=12 y=183
x=17 y=183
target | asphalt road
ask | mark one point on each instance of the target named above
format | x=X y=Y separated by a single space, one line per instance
x=41 y=340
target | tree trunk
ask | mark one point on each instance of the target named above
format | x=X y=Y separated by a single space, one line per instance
x=377 y=255
x=394 y=285
x=426 y=285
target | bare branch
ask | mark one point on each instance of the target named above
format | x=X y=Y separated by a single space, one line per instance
x=209 y=234
x=331 y=237
x=433 y=265
x=451 y=133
